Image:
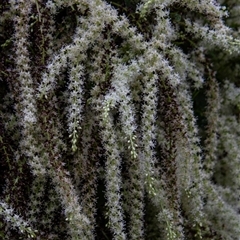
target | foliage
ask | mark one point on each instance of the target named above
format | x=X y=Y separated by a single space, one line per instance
x=119 y=119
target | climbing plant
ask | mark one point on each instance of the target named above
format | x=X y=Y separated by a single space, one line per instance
x=119 y=119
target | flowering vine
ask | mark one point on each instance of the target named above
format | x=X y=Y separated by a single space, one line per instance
x=117 y=121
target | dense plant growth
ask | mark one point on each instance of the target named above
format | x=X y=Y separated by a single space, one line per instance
x=119 y=119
